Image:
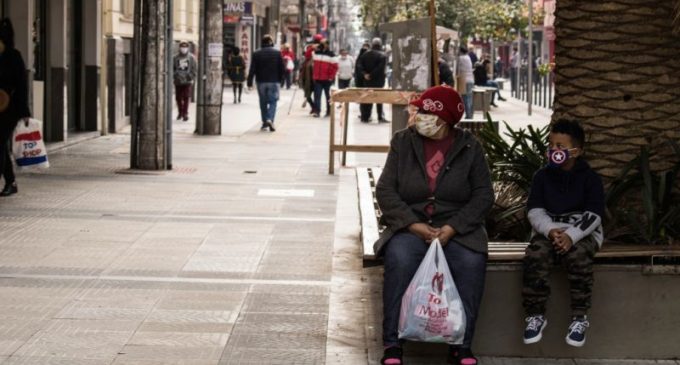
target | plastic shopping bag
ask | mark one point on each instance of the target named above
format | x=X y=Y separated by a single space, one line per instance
x=28 y=146
x=431 y=309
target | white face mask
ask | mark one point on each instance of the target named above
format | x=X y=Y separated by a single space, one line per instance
x=184 y=50
x=426 y=125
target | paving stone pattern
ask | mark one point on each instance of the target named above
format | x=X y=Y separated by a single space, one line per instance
x=99 y=265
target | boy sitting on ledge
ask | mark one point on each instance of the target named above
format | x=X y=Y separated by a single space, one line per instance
x=565 y=208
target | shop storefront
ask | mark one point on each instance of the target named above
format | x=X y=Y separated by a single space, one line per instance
x=243 y=27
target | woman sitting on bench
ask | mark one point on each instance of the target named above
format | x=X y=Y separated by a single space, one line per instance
x=435 y=184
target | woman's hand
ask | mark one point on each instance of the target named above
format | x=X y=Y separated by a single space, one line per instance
x=445 y=234
x=424 y=231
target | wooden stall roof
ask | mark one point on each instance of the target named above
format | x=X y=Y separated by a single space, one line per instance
x=372 y=96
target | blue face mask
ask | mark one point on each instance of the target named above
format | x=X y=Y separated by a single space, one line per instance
x=557 y=157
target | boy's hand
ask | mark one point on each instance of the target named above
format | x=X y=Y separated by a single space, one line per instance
x=445 y=234
x=563 y=243
x=552 y=235
x=424 y=231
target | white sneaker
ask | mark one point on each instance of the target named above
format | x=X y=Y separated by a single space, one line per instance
x=533 y=333
x=577 y=332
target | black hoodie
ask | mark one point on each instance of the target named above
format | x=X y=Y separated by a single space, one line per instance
x=569 y=199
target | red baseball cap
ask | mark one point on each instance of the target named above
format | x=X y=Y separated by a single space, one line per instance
x=442 y=101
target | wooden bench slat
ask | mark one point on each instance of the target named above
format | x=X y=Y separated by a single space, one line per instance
x=369 y=223
x=367 y=179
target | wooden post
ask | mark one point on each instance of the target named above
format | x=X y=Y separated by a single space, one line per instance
x=345 y=123
x=435 y=51
x=331 y=151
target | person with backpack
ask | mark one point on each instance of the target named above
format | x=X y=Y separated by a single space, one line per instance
x=236 y=69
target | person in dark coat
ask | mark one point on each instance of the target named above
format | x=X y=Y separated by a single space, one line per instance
x=445 y=74
x=435 y=185
x=371 y=68
x=358 y=77
x=267 y=68
x=13 y=101
x=236 y=68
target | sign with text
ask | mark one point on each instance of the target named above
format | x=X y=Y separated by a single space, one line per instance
x=242 y=7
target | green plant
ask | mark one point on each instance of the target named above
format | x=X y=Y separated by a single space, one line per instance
x=513 y=158
x=516 y=156
x=643 y=205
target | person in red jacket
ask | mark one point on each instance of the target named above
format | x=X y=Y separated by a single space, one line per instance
x=289 y=62
x=325 y=69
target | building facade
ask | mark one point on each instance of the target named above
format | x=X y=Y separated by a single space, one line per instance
x=60 y=43
x=118 y=29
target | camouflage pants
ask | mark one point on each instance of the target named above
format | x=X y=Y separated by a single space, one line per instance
x=540 y=257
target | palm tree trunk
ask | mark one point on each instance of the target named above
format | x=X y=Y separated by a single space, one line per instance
x=617 y=71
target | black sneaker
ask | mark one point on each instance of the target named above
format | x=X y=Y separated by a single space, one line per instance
x=264 y=126
x=577 y=331
x=383 y=120
x=534 y=330
x=10 y=189
x=392 y=356
x=270 y=125
x=452 y=357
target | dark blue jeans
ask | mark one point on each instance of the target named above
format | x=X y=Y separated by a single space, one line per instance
x=403 y=254
x=322 y=87
x=497 y=93
x=269 y=96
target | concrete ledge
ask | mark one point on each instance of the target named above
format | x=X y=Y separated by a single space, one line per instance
x=634 y=316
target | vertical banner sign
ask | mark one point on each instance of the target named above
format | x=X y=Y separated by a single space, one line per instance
x=245 y=45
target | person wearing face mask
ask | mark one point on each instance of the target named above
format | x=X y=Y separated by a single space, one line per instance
x=325 y=68
x=13 y=101
x=185 y=70
x=435 y=184
x=565 y=209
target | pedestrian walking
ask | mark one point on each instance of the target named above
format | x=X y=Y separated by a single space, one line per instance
x=371 y=67
x=515 y=64
x=185 y=70
x=307 y=77
x=445 y=73
x=236 y=69
x=359 y=78
x=345 y=69
x=13 y=101
x=267 y=68
x=289 y=61
x=466 y=76
x=325 y=70
x=450 y=203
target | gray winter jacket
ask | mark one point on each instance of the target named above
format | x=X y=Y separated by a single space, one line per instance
x=462 y=199
x=185 y=69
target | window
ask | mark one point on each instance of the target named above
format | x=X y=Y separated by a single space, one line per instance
x=127 y=8
x=190 y=14
x=177 y=22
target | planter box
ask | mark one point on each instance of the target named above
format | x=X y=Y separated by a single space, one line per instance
x=635 y=315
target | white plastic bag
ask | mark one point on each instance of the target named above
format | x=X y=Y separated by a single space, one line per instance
x=431 y=309
x=28 y=146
